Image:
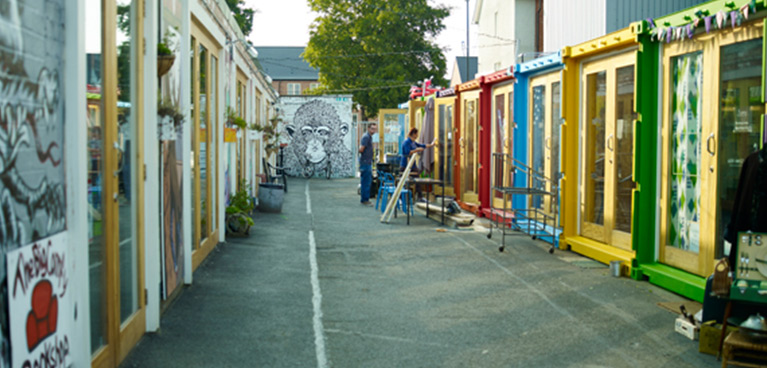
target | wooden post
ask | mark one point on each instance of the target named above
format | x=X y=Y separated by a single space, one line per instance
x=386 y=217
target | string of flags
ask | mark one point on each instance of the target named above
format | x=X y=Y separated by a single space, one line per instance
x=721 y=20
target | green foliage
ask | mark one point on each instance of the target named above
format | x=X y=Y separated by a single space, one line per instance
x=240 y=203
x=270 y=134
x=367 y=46
x=232 y=119
x=243 y=15
x=165 y=107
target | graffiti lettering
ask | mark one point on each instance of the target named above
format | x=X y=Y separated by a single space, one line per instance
x=54 y=354
x=44 y=263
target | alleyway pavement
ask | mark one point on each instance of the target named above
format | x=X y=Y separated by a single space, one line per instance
x=405 y=296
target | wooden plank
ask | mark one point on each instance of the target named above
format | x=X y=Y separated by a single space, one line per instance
x=386 y=217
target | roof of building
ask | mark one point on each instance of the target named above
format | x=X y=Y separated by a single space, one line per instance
x=461 y=63
x=286 y=63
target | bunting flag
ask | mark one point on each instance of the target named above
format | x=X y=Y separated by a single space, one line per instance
x=678 y=33
x=721 y=16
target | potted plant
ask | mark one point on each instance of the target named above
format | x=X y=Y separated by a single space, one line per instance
x=238 y=221
x=232 y=120
x=165 y=56
x=270 y=195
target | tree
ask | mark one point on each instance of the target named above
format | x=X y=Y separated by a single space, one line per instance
x=243 y=15
x=375 y=49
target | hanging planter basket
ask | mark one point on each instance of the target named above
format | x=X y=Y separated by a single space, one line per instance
x=164 y=63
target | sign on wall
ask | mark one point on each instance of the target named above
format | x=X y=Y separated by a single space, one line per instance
x=40 y=298
x=317 y=131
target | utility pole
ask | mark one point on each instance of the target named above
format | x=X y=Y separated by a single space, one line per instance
x=467 y=41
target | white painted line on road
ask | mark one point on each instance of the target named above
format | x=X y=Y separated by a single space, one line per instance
x=319 y=332
x=308 y=200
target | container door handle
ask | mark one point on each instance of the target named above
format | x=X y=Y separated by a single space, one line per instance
x=711 y=138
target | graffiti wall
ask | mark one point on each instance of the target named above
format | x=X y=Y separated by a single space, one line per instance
x=32 y=195
x=317 y=130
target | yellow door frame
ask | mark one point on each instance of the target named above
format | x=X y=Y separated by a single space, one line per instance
x=466 y=98
x=710 y=45
x=382 y=130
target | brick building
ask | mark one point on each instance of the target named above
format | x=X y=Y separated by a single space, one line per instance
x=291 y=74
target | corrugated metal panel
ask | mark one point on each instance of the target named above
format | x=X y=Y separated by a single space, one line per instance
x=620 y=13
x=569 y=22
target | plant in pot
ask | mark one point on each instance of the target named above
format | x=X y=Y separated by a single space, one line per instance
x=238 y=220
x=234 y=121
x=165 y=56
x=271 y=194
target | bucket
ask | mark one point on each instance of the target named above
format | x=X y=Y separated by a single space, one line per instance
x=615 y=268
x=270 y=197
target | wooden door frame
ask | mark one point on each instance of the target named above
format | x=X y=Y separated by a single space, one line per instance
x=381 y=132
x=202 y=247
x=710 y=45
x=466 y=96
x=121 y=337
x=502 y=89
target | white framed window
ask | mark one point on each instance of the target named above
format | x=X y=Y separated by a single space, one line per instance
x=314 y=85
x=294 y=88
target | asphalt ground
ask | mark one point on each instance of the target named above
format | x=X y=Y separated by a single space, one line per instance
x=392 y=295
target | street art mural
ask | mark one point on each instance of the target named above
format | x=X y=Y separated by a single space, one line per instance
x=32 y=195
x=317 y=133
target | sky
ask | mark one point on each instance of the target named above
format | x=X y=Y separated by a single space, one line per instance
x=286 y=23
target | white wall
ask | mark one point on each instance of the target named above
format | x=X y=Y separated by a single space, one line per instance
x=568 y=22
x=497 y=38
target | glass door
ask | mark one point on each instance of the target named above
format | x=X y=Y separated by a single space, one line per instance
x=204 y=148
x=607 y=148
x=712 y=110
x=546 y=117
x=444 y=157
x=115 y=190
x=502 y=142
x=389 y=132
x=470 y=147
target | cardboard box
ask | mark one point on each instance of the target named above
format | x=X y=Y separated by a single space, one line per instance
x=684 y=327
x=710 y=332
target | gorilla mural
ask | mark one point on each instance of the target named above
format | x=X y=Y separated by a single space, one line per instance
x=318 y=142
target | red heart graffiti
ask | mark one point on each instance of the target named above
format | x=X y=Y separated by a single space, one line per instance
x=41 y=321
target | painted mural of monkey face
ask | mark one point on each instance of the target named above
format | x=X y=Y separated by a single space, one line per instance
x=317 y=132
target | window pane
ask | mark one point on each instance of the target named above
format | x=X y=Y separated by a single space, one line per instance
x=449 y=146
x=556 y=123
x=684 y=179
x=126 y=120
x=624 y=147
x=95 y=131
x=203 y=162
x=740 y=110
x=539 y=120
x=213 y=132
x=595 y=148
x=471 y=126
x=500 y=123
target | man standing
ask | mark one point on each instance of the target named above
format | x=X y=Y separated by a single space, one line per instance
x=366 y=164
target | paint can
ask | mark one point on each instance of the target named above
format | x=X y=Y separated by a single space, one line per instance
x=270 y=197
x=615 y=268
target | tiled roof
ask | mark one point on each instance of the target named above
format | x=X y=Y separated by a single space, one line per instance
x=286 y=63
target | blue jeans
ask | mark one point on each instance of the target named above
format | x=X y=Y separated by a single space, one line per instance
x=366 y=179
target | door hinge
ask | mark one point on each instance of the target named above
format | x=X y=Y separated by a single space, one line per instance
x=143 y=43
x=146 y=296
x=143 y=7
x=144 y=172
